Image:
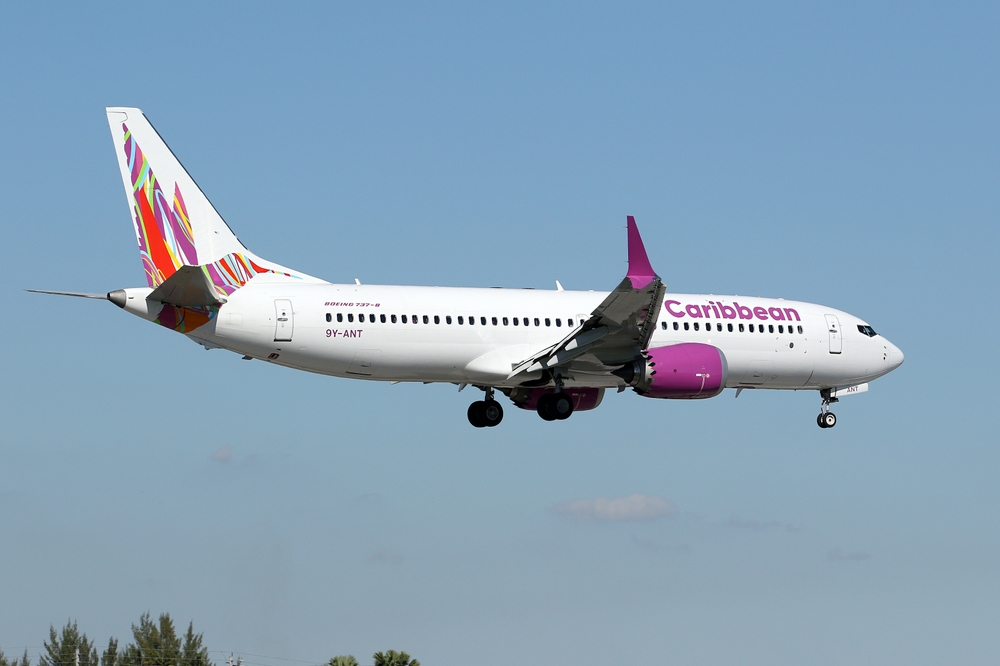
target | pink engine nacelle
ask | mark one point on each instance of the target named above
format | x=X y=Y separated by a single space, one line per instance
x=686 y=371
x=583 y=398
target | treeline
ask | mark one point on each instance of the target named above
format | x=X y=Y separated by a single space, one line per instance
x=153 y=644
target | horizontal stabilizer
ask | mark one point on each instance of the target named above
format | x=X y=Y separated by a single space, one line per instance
x=78 y=294
x=189 y=286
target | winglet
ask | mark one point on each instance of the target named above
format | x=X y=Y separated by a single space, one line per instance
x=639 y=270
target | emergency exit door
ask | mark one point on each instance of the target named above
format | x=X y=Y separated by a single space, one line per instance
x=836 y=343
x=283 y=320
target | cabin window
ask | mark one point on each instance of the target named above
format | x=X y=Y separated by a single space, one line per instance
x=558 y=322
x=427 y=319
x=569 y=322
x=730 y=327
x=751 y=328
x=350 y=317
x=741 y=328
x=414 y=319
x=800 y=330
x=482 y=320
x=505 y=321
x=687 y=326
x=676 y=326
x=381 y=318
x=404 y=319
x=393 y=318
x=515 y=321
x=537 y=323
x=781 y=329
x=447 y=319
x=371 y=318
x=696 y=326
x=718 y=327
x=461 y=320
x=437 y=319
x=760 y=328
x=770 y=328
x=329 y=317
x=663 y=325
x=494 y=320
x=548 y=322
x=340 y=316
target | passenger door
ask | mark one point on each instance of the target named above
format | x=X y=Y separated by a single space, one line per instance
x=283 y=320
x=836 y=342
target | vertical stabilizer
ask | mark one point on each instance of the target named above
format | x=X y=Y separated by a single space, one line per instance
x=175 y=223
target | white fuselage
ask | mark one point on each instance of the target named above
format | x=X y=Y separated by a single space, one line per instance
x=358 y=331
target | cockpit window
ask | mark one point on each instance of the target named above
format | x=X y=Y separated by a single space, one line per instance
x=867 y=330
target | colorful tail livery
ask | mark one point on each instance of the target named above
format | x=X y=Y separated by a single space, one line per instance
x=175 y=223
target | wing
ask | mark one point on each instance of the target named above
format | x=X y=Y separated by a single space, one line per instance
x=617 y=330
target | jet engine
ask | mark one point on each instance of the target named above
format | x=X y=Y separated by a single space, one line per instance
x=685 y=371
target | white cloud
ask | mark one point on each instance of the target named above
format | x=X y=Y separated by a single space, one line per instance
x=223 y=455
x=837 y=555
x=633 y=507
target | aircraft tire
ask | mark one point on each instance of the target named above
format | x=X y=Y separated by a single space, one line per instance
x=562 y=406
x=477 y=414
x=545 y=407
x=492 y=413
x=829 y=420
x=819 y=420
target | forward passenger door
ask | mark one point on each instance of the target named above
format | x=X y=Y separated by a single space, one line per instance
x=836 y=342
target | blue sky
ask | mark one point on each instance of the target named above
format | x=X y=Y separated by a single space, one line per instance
x=841 y=154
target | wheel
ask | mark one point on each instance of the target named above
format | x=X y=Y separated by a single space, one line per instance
x=477 y=414
x=819 y=420
x=829 y=420
x=545 y=409
x=562 y=406
x=492 y=413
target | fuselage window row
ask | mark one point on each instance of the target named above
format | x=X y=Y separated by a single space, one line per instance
x=525 y=321
x=759 y=328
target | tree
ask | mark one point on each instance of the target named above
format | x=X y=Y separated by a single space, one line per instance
x=193 y=653
x=23 y=661
x=157 y=644
x=343 y=660
x=393 y=658
x=61 y=649
x=110 y=656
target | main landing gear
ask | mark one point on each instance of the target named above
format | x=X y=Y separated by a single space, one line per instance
x=555 y=406
x=485 y=413
x=826 y=418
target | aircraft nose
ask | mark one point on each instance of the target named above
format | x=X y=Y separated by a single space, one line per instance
x=895 y=356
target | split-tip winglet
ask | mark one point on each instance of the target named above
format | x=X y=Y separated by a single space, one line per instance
x=639 y=270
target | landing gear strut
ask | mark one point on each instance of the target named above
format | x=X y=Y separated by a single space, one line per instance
x=485 y=413
x=826 y=418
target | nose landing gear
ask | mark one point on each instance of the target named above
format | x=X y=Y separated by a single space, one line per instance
x=826 y=418
x=485 y=413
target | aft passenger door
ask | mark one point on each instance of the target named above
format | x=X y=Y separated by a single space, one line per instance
x=836 y=342
x=283 y=320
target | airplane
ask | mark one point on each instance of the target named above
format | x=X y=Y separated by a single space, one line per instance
x=554 y=352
